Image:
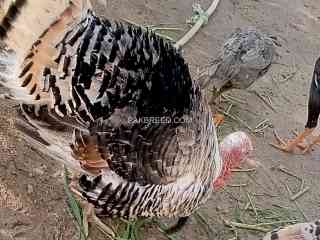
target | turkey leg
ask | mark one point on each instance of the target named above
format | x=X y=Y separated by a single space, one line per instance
x=89 y=215
x=306 y=148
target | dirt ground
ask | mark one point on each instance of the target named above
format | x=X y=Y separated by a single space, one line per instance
x=32 y=199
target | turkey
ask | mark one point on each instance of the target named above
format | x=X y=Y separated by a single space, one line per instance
x=312 y=120
x=117 y=105
x=299 y=231
x=246 y=56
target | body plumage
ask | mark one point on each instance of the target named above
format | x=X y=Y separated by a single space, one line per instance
x=89 y=90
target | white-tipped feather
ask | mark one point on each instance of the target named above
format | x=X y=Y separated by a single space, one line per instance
x=58 y=148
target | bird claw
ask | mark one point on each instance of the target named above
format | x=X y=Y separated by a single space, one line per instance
x=89 y=216
x=278 y=138
x=286 y=146
x=306 y=148
x=291 y=144
x=282 y=147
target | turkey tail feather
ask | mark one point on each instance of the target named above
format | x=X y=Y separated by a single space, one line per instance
x=29 y=36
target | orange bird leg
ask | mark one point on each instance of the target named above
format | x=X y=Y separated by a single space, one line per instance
x=291 y=144
x=315 y=140
x=218 y=119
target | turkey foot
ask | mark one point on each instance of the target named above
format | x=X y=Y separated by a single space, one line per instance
x=307 y=147
x=218 y=119
x=89 y=216
x=291 y=144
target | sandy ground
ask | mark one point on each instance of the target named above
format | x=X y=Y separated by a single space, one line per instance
x=32 y=200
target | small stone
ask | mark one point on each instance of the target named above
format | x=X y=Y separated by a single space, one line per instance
x=30 y=189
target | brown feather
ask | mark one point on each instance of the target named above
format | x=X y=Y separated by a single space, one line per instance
x=88 y=154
